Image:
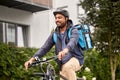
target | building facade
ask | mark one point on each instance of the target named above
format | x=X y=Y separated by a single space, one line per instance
x=28 y=23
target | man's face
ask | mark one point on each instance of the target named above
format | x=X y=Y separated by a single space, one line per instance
x=60 y=20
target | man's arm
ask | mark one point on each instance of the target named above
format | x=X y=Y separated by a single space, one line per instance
x=41 y=52
x=46 y=47
x=73 y=39
x=70 y=46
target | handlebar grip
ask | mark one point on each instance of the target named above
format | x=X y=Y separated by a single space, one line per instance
x=29 y=65
x=32 y=64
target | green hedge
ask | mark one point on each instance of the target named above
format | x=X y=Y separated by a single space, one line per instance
x=12 y=61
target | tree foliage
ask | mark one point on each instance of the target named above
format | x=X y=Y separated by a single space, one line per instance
x=104 y=15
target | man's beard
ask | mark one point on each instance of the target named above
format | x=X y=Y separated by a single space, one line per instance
x=62 y=25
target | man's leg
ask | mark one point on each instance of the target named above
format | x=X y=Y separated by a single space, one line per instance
x=69 y=69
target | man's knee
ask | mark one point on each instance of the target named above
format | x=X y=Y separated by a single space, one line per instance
x=67 y=67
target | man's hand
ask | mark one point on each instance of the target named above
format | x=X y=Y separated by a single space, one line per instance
x=62 y=53
x=27 y=63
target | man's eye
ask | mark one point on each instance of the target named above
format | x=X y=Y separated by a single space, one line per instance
x=59 y=17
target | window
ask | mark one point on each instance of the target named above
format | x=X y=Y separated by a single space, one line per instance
x=10 y=34
x=14 y=34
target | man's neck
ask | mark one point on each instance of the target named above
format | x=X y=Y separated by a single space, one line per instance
x=63 y=29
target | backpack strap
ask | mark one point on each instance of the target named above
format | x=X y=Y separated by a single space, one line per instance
x=69 y=32
x=54 y=37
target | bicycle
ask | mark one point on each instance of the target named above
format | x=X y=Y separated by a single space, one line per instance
x=49 y=74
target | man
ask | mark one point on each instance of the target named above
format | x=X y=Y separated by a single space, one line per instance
x=70 y=56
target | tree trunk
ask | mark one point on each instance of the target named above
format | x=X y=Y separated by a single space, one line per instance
x=113 y=65
x=113 y=58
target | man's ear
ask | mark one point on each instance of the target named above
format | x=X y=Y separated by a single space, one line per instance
x=67 y=18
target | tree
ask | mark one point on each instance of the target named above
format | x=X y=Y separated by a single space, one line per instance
x=104 y=15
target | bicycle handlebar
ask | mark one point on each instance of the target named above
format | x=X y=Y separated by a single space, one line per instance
x=41 y=61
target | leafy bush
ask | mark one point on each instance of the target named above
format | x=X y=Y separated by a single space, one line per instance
x=98 y=65
x=12 y=61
